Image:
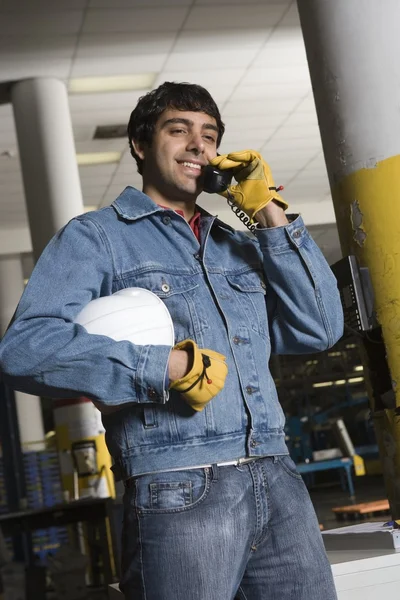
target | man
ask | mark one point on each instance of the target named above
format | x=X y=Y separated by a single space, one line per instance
x=214 y=508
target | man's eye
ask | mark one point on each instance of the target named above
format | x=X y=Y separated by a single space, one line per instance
x=209 y=138
x=179 y=131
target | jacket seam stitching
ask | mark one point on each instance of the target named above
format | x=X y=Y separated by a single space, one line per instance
x=103 y=236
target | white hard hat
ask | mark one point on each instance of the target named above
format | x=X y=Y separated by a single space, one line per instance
x=133 y=314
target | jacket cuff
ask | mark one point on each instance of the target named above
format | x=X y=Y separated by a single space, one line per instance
x=285 y=236
x=152 y=374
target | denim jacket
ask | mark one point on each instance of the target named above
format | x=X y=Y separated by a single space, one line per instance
x=242 y=296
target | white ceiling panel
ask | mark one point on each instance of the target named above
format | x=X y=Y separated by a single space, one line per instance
x=298 y=73
x=267 y=122
x=224 y=40
x=271 y=90
x=43 y=46
x=219 y=77
x=137 y=3
x=201 y=59
x=15 y=69
x=83 y=132
x=304 y=119
x=5 y=111
x=104 y=101
x=8 y=140
x=9 y=165
x=125 y=44
x=97 y=170
x=230 y=16
x=127 y=168
x=101 y=117
x=12 y=184
x=246 y=140
x=109 y=20
x=298 y=131
x=248 y=3
x=92 y=191
x=291 y=17
x=117 y=145
x=104 y=66
x=240 y=108
x=10 y=177
x=278 y=55
x=41 y=5
x=41 y=23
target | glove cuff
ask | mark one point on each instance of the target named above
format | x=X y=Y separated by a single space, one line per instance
x=192 y=348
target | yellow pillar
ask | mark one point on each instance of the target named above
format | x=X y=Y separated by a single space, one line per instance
x=353 y=51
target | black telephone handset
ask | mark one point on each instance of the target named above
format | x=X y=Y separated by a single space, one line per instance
x=216 y=181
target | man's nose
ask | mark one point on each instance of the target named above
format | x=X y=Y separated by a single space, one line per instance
x=196 y=143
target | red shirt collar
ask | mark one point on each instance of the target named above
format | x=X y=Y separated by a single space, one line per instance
x=193 y=222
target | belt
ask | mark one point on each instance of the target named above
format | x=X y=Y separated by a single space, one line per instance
x=236 y=463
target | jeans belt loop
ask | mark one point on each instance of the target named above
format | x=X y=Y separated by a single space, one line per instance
x=214 y=471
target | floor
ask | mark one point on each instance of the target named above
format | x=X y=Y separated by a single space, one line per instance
x=327 y=496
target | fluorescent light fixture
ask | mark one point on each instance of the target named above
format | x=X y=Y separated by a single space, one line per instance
x=113 y=83
x=340 y=382
x=98 y=158
x=355 y=379
x=323 y=384
x=334 y=354
x=359 y=368
x=349 y=346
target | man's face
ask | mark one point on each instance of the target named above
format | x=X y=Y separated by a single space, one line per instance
x=183 y=143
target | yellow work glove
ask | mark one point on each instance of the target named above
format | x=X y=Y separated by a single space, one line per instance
x=255 y=187
x=205 y=379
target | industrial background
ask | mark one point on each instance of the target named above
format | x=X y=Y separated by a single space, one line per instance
x=251 y=55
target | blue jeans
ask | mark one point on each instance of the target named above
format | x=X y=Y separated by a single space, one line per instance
x=244 y=532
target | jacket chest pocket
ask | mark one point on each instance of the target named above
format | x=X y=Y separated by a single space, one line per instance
x=180 y=294
x=249 y=291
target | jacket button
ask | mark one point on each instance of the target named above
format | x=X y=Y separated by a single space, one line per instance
x=249 y=389
x=236 y=340
x=151 y=392
x=165 y=287
x=253 y=443
x=166 y=220
x=197 y=256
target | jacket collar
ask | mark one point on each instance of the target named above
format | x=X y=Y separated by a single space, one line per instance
x=132 y=204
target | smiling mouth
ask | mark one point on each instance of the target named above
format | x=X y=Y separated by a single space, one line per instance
x=191 y=165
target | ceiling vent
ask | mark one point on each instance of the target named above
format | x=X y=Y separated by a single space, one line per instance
x=109 y=132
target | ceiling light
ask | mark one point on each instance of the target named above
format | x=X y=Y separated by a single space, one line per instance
x=323 y=384
x=98 y=158
x=340 y=382
x=114 y=83
x=359 y=368
x=355 y=379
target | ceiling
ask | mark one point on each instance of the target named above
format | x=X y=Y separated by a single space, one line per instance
x=249 y=54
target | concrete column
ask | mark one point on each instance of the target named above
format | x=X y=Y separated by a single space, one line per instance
x=353 y=51
x=47 y=152
x=29 y=410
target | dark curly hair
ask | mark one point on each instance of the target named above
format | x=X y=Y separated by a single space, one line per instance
x=180 y=96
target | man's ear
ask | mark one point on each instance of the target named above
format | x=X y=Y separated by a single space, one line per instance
x=139 y=148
